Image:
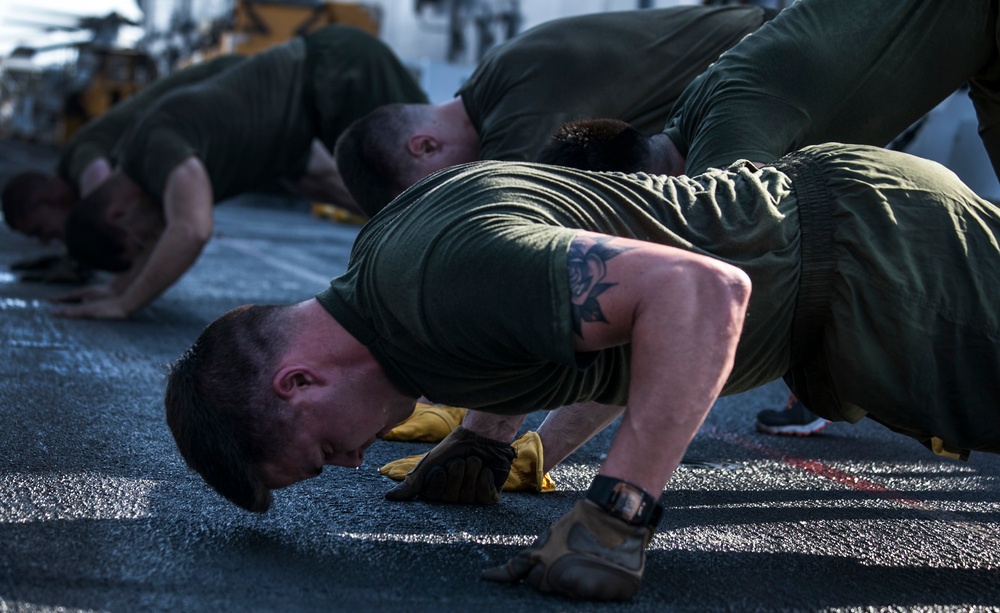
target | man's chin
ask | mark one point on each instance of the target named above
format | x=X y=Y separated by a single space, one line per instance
x=361 y=452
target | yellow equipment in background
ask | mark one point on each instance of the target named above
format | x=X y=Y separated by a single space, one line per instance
x=255 y=26
x=259 y=24
x=324 y=210
x=119 y=73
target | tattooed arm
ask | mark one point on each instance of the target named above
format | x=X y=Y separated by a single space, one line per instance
x=683 y=314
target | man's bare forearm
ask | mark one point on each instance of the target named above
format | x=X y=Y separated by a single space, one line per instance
x=187 y=211
x=682 y=314
x=496 y=427
x=121 y=282
x=566 y=429
x=562 y=432
x=681 y=358
x=174 y=253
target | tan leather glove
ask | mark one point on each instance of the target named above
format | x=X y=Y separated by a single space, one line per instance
x=525 y=471
x=587 y=554
x=429 y=423
x=464 y=468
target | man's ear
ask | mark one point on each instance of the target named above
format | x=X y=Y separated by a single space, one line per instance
x=421 y=145
x=290 y=381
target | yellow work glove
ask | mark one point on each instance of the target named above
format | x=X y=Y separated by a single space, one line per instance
x=429 y=423
x=525 y=471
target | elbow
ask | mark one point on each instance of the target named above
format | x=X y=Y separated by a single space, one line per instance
x=719 y=294
x=739 y=287
x=200 y=230
x=201 y=235
x=730 y=287
x=194 y=234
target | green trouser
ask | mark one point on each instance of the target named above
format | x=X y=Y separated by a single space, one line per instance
x=907 y=260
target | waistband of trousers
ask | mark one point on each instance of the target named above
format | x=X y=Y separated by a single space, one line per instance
x=816 y=265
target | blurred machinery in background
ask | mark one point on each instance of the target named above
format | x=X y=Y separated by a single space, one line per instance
x=116 y=75
x=48 y=102
x=259 y=24
x=254 y=25
x=104 y=74
x=490 y=21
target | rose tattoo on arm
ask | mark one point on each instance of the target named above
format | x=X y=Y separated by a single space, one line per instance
x=587 y=268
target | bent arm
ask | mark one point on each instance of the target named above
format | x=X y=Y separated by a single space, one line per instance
x=683 y=315
x=187 y=212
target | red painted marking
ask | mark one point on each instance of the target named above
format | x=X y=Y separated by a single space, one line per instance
x=813 y=467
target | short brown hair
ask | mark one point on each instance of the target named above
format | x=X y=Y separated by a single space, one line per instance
x=371 y=155
x=597 y=144
x=220 y=407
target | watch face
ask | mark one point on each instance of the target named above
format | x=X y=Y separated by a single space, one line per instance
x=627 y=501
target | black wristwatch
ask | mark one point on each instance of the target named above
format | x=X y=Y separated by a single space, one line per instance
x=625 y=501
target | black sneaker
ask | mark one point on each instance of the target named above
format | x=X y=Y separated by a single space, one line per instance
x=794 y=420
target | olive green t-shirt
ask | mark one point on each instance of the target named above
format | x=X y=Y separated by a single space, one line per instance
x=253 y=125
x=248 y=126
x=852 y=71
x=627 y=65
x=873 y=279
x=98 y=138
x=460 y=286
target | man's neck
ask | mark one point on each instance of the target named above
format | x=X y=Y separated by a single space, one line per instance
x=454 y=115
x=324 y=337
x=667 y=159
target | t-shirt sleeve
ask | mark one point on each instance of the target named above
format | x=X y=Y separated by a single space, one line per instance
x=75 y=159
x=504 y=292
x=152 y=154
